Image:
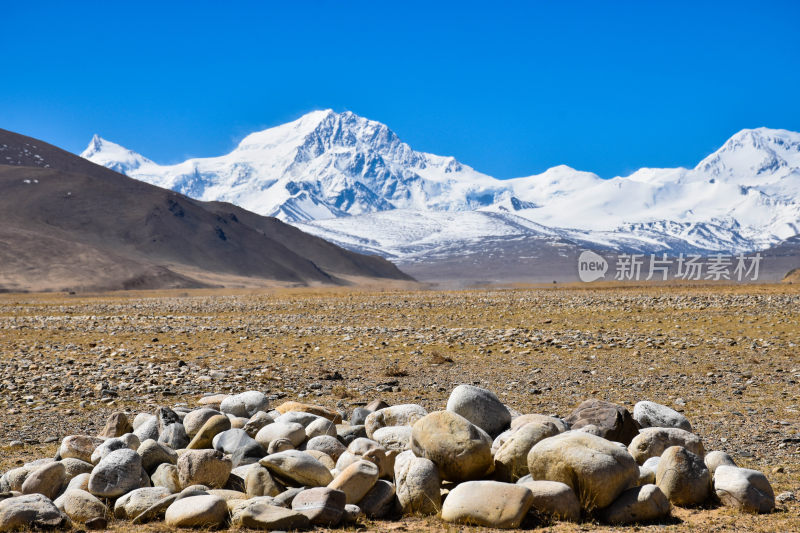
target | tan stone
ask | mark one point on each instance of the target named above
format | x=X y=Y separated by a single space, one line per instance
x=396 y=415
x=197 y=511
x=461 y=450
x=81 y=506
x=487 y=503
x=638 y=504
x=511 y=459
x=46 y=479
x=203 y=467
x=117 y=425
x=554 y=499
x=330 y=414
x=205 y=435
x=299 y=467
x=418 y=483
x=683 y=477
x=259 y=482
x=652 y=441
x=596 y=469
x=356 y=480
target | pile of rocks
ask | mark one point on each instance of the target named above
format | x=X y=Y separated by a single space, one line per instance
x=233 y=460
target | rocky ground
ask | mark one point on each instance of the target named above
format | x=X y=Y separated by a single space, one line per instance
x=726 y=357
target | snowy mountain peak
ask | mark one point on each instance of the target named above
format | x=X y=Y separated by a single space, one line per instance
x=752 y=153
x=329 y=165
x=322 y=165
x=290 y=132
x=113 y=156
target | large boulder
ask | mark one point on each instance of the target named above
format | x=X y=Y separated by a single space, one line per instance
x=81 y=481
x=116 y=426
x=461 y=450
x=117 y=473
x=154 y=454
x=238 y=442
x=647 y=472
x=297 y=417
x=417 y=484
x=396 y=415
x=356 y=480
x=393 y=438
x=259 y=482
x=245 y=404
x=379 y=501
x=46 y=479
x=744 y=489
x=651 y=442
x=481 y=407
x=14 y=478
x=651 y=414
x=368 y=450
x=194 y=420
x=298 y=467
x=609 y=420
x=166 y=475
x=258 y=514
x=487 y=503
x=323 y=458
x=683 y=477
x=292 y=431
x=326 y=444
x=174 y=436
x=511 y=459
x=320 y=426
x=79 y=447
x=204 y=437
x=74 y=467
x=204 y=467
x=636 y=505
x=521 y=420
x=205 y=511
x=317 y=410
x=107 y=447
x=80 y=506
x=30 y=511
x=596 y=469
x=716 y=459
x=322 y=506
x=147 y=428
x=554 y=499
x=134 y=503
x=256 y=422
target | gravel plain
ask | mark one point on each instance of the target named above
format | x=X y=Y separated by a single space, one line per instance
x=727 y=357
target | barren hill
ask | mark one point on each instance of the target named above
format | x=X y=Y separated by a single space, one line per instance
x=67 y=223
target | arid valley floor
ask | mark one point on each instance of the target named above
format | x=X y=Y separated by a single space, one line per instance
x=728 y=357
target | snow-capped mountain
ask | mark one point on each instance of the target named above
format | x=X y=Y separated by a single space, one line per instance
x=353 y=181
x=322 y=165
x=114 y=156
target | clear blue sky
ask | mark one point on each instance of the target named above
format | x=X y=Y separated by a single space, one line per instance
x=508 y=88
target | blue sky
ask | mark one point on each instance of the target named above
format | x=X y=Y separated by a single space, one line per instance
x=510 y=88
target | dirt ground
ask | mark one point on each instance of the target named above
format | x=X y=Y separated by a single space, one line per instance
x=728 y=357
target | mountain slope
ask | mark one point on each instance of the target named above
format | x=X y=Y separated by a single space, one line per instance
x=69 y=223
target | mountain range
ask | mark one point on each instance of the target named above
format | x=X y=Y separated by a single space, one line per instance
x=352 y=181
x=69 y=224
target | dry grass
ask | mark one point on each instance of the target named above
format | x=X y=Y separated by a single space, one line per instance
x=728 y=354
